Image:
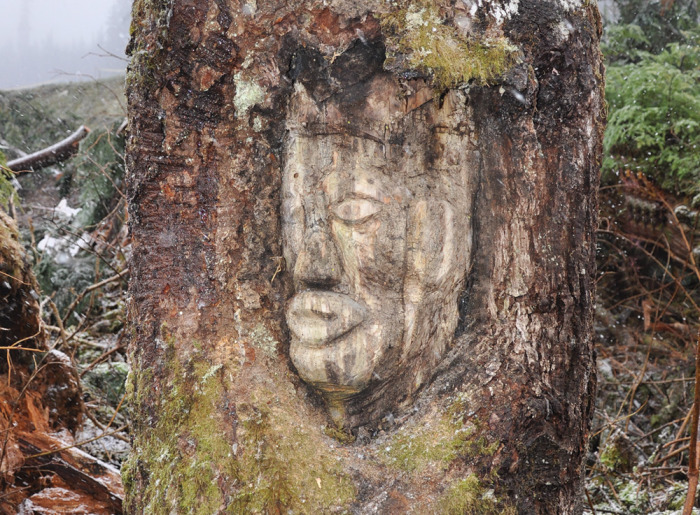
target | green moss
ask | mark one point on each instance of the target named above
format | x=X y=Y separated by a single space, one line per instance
x=676 y=494
x=633 y=497
x=418 y=33
x=469 y=497
x=11 y=251
x=439 y=443
x=615 y=455
x=7 y=190
x=185 y=452
x=339 y=435
x=148 y=28
x=283 y=464
x=106 y=381
x=197 y=462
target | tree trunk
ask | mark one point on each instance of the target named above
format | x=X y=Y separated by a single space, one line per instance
x=363 y=255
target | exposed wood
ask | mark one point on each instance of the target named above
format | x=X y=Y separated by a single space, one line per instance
x=56 y=153
x=80 y=471
x=41 y=407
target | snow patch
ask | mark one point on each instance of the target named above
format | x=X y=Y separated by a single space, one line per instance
x=64 y=210
x=500 y=11
x=47 y=243
x=85 y=239
x=570 y=4
x=564 y=29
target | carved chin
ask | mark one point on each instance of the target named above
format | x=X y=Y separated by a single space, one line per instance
x=343 y=368
x=330 y=348
x=338 y=345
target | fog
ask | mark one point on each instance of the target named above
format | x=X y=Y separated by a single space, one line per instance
x=52 y=41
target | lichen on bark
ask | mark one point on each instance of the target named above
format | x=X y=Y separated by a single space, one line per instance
x=468 y=496
x=418 y=37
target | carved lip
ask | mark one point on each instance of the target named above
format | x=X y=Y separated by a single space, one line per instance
x=317 y=318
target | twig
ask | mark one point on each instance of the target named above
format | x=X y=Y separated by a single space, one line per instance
x=59 y=321
x=80 y=239
x=620 y=419
x=101 y=358
x=590 y=501
x=16 y=344
x=681 y=430
x=693 y=455
x=46 y=453
x=117 y=410
x=107 y=53
x=659 y=263
x=674 y=442
x=15 y=279
x=101 y=426
x=280 y=267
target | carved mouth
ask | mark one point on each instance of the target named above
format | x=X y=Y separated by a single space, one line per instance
x=317 y=318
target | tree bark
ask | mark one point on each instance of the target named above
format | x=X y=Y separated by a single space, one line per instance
x=223 y=420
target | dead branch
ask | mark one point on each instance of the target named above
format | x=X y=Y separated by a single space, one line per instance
x=75 y=468
x=693 y=455
x=59 y=322
x=56 y=153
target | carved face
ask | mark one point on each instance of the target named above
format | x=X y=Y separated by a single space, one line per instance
x=376 y=234
x=376 y=272
x=344 y=219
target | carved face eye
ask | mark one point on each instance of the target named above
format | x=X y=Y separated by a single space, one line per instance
x=356 y=210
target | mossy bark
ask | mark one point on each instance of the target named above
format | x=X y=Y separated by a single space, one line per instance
x=222 y=422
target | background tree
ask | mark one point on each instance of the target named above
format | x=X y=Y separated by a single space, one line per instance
x=222 y=421
x=647 y=287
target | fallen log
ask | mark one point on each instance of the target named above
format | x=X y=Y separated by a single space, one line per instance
x=56 y=153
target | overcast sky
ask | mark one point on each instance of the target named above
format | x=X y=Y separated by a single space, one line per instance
x=51 y=37
x=66 y=21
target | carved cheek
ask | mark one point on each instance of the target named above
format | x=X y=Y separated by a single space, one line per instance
x=390 y=248
x=292 y=229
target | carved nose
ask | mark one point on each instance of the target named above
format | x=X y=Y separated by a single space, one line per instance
x=318 y=264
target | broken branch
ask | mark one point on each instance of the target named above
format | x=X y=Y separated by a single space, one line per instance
x=56 y=153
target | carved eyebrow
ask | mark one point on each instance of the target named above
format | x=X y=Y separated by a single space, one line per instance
x=359 y=195
x=314 y=130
